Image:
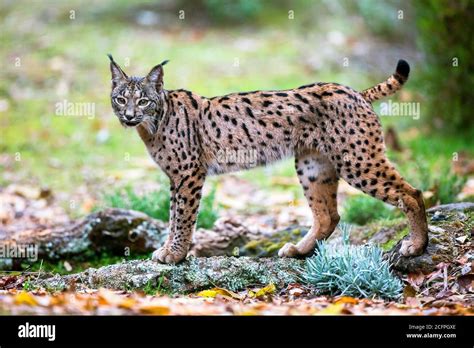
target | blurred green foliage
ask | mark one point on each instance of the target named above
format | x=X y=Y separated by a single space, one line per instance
x=156 y=204
x=362 y=209
x=63 y=59
x=382 y=17
x=223 y=11
x=429 y=167
x=440 y=180
x=446 y=32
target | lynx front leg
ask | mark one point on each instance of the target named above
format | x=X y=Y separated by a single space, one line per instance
x=185 y=198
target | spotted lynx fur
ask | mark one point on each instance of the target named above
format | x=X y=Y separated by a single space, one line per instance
x=332 y=130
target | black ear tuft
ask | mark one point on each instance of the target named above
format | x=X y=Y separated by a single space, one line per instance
x=403 y=69
x=164 y=62
x=117 y=73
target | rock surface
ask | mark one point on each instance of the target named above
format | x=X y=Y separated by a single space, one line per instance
x=450 y=234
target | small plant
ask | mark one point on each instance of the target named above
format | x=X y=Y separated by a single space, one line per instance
x=357 y=271
x=156 y=204
x=27 y=285
x=207 y=213
x=448 y=185
x=362 y=209
x=159 y=289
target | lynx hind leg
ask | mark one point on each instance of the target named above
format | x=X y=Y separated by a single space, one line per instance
x=380 y=179
x=319 y=180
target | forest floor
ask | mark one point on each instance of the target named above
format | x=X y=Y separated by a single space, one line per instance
x=446 y=288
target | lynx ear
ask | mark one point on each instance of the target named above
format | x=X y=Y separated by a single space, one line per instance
x=155 y=76
x=117 y=73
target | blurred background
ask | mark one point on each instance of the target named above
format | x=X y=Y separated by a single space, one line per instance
x=61 y=145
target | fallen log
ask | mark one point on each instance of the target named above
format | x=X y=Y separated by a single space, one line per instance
x=192 y=275
x=124 y=232
x=114 y=230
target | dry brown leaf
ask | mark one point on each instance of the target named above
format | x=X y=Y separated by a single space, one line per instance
x=409 y=291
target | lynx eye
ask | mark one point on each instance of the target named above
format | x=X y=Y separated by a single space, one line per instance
x=121 y=100
x=143 y=102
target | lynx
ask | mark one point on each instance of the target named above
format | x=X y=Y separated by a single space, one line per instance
x=330 y=129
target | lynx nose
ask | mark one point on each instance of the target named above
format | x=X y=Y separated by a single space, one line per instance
x=129 y=115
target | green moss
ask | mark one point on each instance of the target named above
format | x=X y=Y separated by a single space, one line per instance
x=398 y=237
x=79 y=263
x=296 y=232
x=192 y=275
x=269 y=246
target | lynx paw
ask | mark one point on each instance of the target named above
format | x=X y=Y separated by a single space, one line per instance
x=412 y=248
x=165 y=255
x=289 y=250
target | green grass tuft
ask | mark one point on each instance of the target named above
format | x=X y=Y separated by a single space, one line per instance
x=156 y=204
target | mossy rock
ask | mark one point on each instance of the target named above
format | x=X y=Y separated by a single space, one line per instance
x=448 y=226
x=194 y=274
x=268 y=245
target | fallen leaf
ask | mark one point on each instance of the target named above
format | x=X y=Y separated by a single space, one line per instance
x=127 y=303
x=413 y=302
x=155 y=309
x=461 y=239
x=332 y=309
x=346 y=299
x=219 y=291
x=466 y=281
x=467 y=268
x=296 y=292
x=25 y=298
x=109 y=298
x=409 y=291
x=416 y=279
x=267 y=290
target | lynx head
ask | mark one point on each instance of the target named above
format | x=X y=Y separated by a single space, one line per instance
x=137 y=100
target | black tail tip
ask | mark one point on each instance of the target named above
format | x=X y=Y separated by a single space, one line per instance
x=403 y=69
x=110 y=57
